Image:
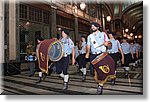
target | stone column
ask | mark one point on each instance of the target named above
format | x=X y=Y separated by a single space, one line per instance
x=12 y=30
x=53 y=22
x=76 y=36
x=103 y=22
x=1 y=41
x=1 y=31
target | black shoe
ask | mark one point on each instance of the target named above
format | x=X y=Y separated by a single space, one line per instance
x=133 y=68
x=50 y=72
x=39 y=80
x=126 y=76
x=99 y=90
x=44 y=76
x=113 y=81
x=32 y=74
x=83 y=78
x=65 y=86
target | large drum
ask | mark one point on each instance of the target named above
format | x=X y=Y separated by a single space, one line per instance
x=104 y=67
x=55 y=51
x=52 y=50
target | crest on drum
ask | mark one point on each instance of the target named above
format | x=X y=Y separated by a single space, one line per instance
x=105 y=68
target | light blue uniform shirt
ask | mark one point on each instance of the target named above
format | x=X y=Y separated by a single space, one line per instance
x=76 y=51
x=115 y=46
x=141 y=48
x=125 y=48
x=137 y=46
x=100 y=37
x=83 y=50
x=133 y=48
x=67 y=45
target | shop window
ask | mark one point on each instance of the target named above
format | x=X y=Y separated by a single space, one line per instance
x=63 y=21
x=46 y=17
x=84 y=26
x=23 y=11
x=35 y=14
x=23 y=40
x=46 y=32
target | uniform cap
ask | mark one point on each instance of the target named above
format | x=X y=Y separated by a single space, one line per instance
x=40 y=38
x=95 y=24
x=65 y=31
x=83 y=36
x=109 y=32
x=125 y=38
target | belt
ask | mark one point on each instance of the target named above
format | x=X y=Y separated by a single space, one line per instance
x=112 y=52
x=126 y=53
x=66 y=54
x=82 y=52
x=98 y=52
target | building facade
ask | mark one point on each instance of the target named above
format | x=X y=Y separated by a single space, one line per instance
x=24 y=21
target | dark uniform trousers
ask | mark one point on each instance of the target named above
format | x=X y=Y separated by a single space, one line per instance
x=82 y=61
x=127 y=60
x=92 y=57
x=134 y=59
x=140 y=55
x=37 y=67
x=62 y=65
x=115 y=57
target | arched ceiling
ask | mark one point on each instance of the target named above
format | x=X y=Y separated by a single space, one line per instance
x=132 y=16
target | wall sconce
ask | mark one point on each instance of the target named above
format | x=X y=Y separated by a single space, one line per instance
x=108 y=18
x=27 y=23
x=59 y=29
x=129 y=37
x=82 y=6
x=140 y=36
x=125 y=35
x=131 y=34
x=126 y=30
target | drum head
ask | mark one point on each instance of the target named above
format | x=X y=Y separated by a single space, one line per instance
x=99 y=58
x=56 y=51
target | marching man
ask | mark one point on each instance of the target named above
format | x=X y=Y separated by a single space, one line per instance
x=114 y=51
x=63 y=64
x=82 y=60
x=96 y=43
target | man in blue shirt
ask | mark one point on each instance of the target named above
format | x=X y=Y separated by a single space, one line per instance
x=127 y=56
x=114 y=51
x=137 y=45
x=134 y=54
x=96 y=44
x=82 y=60
x=41 y=74
x=63 y=64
